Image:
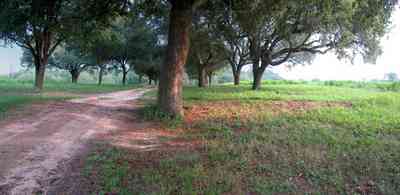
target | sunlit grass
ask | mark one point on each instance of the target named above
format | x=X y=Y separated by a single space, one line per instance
x=279 y=92
x=288 y=138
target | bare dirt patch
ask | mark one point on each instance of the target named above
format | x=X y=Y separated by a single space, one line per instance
x=38 y=146
x=233 y=110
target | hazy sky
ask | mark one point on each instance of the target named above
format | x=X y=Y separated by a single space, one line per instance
x=325 y=67
x=328 y=67
x=9 y=59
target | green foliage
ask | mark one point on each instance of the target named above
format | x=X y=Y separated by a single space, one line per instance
x=207 y=51
x=71 y=58
x=293 y=32
x=391 y=76
x=40 y=26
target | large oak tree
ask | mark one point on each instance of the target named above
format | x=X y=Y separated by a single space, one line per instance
x=171 y=74
x=282 y=32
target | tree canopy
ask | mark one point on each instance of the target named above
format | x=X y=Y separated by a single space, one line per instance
x=284 y=32
x=40 y=26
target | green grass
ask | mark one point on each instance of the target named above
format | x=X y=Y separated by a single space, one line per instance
x=23 y=86
x=280 y=92
x=15 y=93
x=258 y=143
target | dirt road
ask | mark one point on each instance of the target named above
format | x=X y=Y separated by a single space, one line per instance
x=35 y=148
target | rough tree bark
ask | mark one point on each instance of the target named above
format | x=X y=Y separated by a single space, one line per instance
x=236 y=77
x=259 y=66
x=101 y=73
x=170 y=88
x=124 y=73
x=41 y=52
x=74 y=76
x=44 y=45
x=257 y=77
x=140 y=78
x=40 y=69
x=236 y=70
x=209 y=79
x=202 y=77
x=124 y=78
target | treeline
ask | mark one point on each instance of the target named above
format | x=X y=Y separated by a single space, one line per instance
x=129 y=43
x=164 y=39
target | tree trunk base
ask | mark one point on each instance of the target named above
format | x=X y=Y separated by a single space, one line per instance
x=170 y=99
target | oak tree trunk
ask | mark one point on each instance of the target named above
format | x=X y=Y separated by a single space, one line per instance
x=42 y=39
x=140 y=78
x=101 y=73
x=124 y=75
x=236 y=77
x=40 y=69
x=209 y=79
x=41 y=55
x=236 y=70
x=257 y=77
x=202 y=77
x=75 y=76
x=170 y=88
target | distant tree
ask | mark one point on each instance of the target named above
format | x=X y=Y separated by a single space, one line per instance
x=40 y=26
x=238 y=56
x=132 y=40
x=391 y=76
x=207 y=53
x=149 y=64
x=99 y=47
x=236 y=43
x=71 y=59
x=151 y=70
x=120 y=46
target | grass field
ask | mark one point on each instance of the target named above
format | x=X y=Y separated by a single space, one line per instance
x=14 y=93
x=289 y=138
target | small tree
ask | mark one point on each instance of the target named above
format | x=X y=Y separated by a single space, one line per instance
x=149 y=64
x=207 y=55
x=100 y=48
x=71 y=59
x=391 y=76
x=236 y=43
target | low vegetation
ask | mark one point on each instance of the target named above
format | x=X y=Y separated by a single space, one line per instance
x=289 y=138
x=14 y=92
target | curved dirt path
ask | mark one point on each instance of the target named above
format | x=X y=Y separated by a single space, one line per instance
x=36 y=148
